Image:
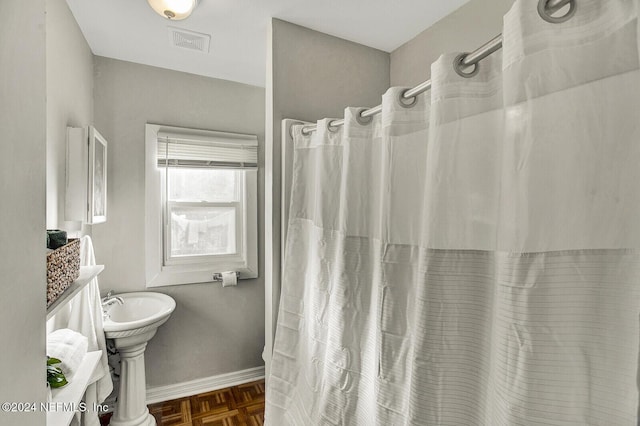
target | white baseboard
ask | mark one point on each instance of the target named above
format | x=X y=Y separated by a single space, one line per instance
x=206 y=384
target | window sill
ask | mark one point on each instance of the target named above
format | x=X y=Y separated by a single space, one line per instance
x=178 y=275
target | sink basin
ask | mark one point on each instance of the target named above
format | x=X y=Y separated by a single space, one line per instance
x=140 y=311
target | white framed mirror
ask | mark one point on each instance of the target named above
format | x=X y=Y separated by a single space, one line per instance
x=97 y=195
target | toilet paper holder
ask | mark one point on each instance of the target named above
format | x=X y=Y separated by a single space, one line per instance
x=217 y=276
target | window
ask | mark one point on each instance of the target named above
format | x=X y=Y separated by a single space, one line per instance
x=203 y=214
x=201 y=205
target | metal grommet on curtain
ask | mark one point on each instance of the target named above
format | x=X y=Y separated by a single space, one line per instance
x=545 y=12
x=363 y=121
x=331 y=127
x=295 y=124
x=458 y=65
x=403 y=100
x=306 y=131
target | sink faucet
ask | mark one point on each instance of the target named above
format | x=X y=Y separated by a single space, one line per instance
x=109 y=300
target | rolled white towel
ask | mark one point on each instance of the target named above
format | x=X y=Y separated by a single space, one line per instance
x=69 y=347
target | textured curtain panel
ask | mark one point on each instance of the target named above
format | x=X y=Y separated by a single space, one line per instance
x=474 y=258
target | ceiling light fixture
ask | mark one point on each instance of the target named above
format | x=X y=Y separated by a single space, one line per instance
x=173 y=9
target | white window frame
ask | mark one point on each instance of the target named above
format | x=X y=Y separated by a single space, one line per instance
x=162 y=270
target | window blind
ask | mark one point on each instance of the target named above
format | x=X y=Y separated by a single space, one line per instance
x=207 y=149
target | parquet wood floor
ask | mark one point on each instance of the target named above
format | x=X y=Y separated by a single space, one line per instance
x=241 y=405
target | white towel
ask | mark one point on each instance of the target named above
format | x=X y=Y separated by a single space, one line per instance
x=69 y=347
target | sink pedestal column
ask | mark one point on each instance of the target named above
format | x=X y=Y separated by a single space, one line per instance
x=131 y=409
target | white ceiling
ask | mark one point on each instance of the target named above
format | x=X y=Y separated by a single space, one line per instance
x=130 y=30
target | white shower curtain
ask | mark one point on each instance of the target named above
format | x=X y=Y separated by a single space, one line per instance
x=474 y=258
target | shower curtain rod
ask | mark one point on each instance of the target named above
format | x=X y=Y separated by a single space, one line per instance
x=465 y=60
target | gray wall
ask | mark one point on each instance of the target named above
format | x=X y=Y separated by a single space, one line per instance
x=461 y=31
x=213 y=330
x=310 y=75
x=22 y=191
x=69 y=100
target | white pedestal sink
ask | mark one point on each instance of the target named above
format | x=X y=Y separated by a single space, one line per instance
x=131 y=325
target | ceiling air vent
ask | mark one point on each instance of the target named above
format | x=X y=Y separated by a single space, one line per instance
x=191 y=40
